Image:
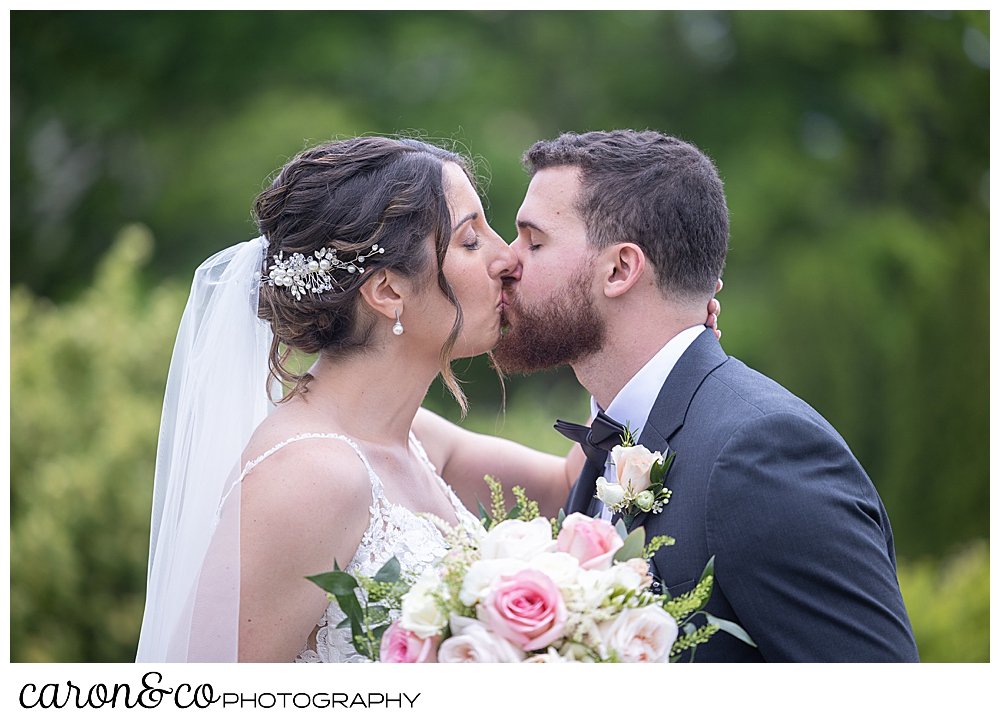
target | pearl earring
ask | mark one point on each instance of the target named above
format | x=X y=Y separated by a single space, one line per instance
x=397 y=328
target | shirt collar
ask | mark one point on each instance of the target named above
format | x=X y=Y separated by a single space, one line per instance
x=635 y=400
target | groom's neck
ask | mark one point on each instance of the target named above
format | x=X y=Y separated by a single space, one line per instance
x=635 y=333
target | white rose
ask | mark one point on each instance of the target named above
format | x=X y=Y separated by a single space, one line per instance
x=640 y=635
x=623 y=576
x=595 y=586
x=611 y=494
x=632 y=466
x=518 y=539
x=563 y=568
x=481 y=575
x=420 y=614
x=472 y=642
x=550 y=657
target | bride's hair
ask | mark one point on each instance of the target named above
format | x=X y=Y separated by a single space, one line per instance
x=349 y=195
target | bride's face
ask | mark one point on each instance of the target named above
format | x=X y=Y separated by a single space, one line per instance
x=476 y=261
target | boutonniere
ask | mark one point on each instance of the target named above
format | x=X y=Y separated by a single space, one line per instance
x=639 y=474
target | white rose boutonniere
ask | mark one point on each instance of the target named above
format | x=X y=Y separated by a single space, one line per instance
x=638 y=485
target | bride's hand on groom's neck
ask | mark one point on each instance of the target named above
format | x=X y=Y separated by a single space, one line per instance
x=714 y=309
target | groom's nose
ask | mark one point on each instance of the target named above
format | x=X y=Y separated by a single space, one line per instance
x=514 y=274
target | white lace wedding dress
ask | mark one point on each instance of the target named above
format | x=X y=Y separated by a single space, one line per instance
x=393 y=530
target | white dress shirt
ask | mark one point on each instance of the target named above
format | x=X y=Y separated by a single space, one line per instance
x=635 y=400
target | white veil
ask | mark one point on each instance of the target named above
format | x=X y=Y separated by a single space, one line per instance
x=215 y=397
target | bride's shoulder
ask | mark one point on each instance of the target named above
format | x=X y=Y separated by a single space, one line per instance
x=284 y=464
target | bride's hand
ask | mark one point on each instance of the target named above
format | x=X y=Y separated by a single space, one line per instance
x=714 y=309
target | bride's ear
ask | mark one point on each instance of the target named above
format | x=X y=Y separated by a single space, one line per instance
x=383 y=291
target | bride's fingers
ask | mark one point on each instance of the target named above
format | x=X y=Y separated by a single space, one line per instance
x=718 y=286
x=718 y=307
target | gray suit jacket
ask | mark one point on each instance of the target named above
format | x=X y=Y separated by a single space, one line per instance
x=804 y=558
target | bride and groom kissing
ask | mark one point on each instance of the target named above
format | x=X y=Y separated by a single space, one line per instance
x=376 y=255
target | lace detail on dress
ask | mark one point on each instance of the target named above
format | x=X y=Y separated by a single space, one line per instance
x=392 y=530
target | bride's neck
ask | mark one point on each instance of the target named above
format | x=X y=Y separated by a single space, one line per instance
x=371 y=396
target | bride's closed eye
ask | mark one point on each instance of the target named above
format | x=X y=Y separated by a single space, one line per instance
x=473 y=244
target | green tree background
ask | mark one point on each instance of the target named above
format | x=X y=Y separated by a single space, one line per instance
x=855 y=151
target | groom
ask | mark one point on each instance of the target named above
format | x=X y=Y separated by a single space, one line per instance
x=621 y=239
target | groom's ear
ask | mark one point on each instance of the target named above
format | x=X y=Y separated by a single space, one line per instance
x=625 y=264
x=383 y=292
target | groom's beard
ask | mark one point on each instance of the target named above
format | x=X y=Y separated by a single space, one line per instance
x=563 y=329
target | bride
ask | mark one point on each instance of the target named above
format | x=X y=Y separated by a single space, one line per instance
x=376 y=255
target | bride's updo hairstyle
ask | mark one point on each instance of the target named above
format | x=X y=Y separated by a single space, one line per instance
x=348 y=196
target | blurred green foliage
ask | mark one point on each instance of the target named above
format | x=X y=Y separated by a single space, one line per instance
x=87 y=381
x=854 y=147
x=949 y=604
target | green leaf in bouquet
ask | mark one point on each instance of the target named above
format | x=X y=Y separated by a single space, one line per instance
x=345 y=623
x=621 y=529
x=352 y=609
x=335 y=582
x=690 y=629
x=515 y=511
x=484 y=516
x=378 y=633
x=389 y=572
x=633 y=546
x=627 y=518
x=560 y=519
x=706 y=581
x=730 y=627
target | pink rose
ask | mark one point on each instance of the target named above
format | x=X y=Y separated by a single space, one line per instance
x=400 y=645
x=526 y=609
x=591 y=541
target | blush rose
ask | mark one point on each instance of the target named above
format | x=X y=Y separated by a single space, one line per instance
x=633 y=465
x=593 y=542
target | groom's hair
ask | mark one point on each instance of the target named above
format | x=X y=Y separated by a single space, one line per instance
x=655 y=191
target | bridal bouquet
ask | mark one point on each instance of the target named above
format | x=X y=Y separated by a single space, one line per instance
x=526 y=589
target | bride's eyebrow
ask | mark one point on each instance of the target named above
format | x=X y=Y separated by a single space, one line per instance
x=471 y=217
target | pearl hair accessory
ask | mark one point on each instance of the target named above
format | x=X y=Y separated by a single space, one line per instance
x=301 y=274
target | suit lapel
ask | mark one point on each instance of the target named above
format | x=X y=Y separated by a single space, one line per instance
x=699 y=360
x=581 y=496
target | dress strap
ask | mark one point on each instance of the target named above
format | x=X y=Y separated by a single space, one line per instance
x=377 y=491
x=452 y=497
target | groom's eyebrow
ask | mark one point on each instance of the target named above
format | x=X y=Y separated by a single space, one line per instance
x=529 y=224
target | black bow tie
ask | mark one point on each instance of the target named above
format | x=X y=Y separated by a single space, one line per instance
x=597 y=439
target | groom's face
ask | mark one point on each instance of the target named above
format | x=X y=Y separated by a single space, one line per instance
x=551 y=314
